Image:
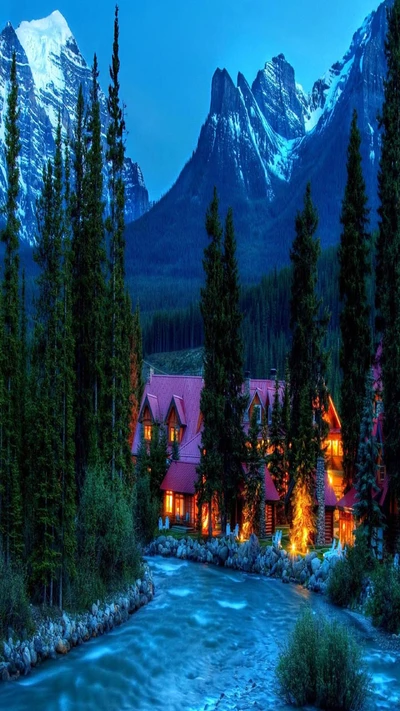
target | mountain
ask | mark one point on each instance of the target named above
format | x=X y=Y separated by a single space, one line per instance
x=50 y=69
x=260 y=145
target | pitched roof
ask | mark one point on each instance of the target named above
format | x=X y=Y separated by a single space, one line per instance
x=180 y=478
x=184 y=391
x=330 y=496
x=350 y=499
x=271 y=493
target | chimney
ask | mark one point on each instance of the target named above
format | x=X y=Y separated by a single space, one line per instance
x=272 y=374
x=151 y=373
x=247 y=381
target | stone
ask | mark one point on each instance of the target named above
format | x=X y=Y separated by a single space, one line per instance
x=95 y=609
x=315 y=565
x=303 y=577
x=324 y=570
x=7 y=650
x=311 y=582
x=62 y=646
x=4 y=673
x=223 y=554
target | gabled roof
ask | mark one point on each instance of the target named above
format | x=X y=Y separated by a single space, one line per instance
x=350 y=499
x=180 y=478
x=179 y=405
x=330 y=496
x=271 y=493
x=184 y=391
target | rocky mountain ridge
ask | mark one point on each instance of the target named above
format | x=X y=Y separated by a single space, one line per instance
x=50 y=69
x=260 y=145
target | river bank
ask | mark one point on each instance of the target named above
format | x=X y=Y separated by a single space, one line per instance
x=248 y=557
x=58 y=634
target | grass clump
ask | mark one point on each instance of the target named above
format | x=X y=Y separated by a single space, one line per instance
x=15 y=612
x=348 y=578
x=322 y=664
x=384 y=603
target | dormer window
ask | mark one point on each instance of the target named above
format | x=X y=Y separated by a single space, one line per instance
x=257 y=411
x=147 y=432
x=174 y=433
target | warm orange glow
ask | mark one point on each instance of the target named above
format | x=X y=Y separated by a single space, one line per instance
x=147 y=432
x=245 y=530
x=204 y=519
x=303 y=519
x=330 y=479
x=168 y=502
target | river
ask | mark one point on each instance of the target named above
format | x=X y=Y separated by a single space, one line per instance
x=207 y=642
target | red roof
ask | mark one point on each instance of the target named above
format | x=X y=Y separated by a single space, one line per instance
x=348 y=500
x=330 y=496
x=180 y=478
x=271 y=493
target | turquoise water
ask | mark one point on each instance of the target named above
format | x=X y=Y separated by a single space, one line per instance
x=208 y=641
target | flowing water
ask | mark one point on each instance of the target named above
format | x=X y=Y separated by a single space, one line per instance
x=208 y=641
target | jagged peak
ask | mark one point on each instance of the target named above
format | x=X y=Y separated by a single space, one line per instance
x=222 y=90
x=53 y=26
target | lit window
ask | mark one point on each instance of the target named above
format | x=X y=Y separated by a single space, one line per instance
x=147 y=432
x=168 y=502
x=173 y=434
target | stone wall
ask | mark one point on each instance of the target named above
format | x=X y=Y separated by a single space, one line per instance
x=249 y=557
x=59 y=635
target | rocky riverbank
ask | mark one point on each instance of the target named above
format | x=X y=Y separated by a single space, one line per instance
x=250 y=557
x=54 y=636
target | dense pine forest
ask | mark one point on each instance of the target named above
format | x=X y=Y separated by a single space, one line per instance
x=266 y=322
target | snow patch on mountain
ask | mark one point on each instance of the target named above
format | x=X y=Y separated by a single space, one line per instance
x=43 y=41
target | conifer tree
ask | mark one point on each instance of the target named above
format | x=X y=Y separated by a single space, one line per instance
x=354 y=260
x=136 y=353
x=366 y=508
x=10 y=491
x=388 y=249
x=235 y=401
x=157 y=460
x=212 y=400
x=119 y=306
x=79 y=259
x=253 y=484
x=276 y=458
x=92 y=320
x=307 y=359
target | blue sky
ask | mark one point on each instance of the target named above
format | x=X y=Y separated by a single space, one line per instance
x=170 y=48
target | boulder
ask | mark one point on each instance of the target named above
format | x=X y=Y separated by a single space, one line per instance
x=62 y=646
x=223 y=554
x=315 y=565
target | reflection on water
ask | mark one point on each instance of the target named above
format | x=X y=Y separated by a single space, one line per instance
x=209 y=640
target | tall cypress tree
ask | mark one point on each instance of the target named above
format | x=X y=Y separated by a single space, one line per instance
x=119 y=306
x=254 y=492
x=276 y=459
x=212 y=400
x=10 y=492
x=354 y=260
x=307 y=360
x=136 y=350
x=79 y=260
x=307 y=366
x=235 y=402
x=366 y=508
x=388 y=249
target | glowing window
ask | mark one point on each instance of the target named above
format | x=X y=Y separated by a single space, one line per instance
x=147 y=432
x=168 y=502
x=173 y=434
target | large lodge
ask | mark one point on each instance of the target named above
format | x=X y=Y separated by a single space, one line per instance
x=174 y=401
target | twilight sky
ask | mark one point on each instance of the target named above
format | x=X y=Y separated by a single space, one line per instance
x=170 y=49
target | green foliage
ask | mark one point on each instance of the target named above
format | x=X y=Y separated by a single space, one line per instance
x=10 y=341
x=384 y=604
x=307 y=359
x=157 y=460
x=347 y=581
x=254 y=483
x=322 y=664
x=14 y=608
x=107 y=543
x=146 y=510
x=355 y=267
x=366 y=508
x=388 y=249
x=119 y=310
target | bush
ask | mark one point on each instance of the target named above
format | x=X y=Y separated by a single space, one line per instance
x=349 y=576
x=108 y=554
x=14 y=607
x=322 y=665
x=147 y=510
x=384 y=603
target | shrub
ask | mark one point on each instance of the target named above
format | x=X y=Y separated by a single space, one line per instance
x=321 y=664
x=14 y=607
x=348 y=578
x=108 y=554
x=146 y=509
x=384 y=603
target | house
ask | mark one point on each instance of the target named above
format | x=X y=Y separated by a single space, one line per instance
x=174 y=400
